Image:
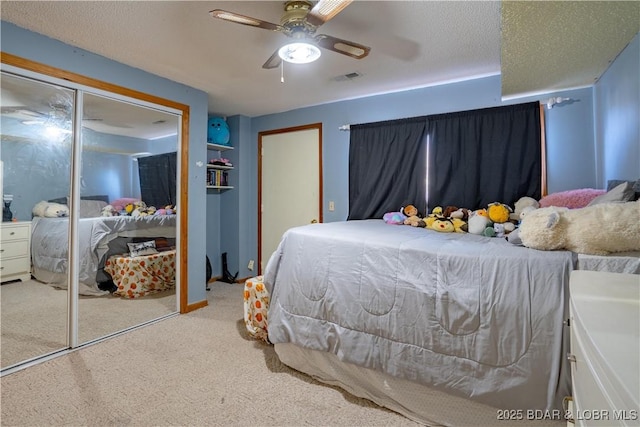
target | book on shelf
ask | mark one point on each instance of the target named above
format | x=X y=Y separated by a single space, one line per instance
x=217 y=178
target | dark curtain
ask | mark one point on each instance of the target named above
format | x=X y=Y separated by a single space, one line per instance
x=387 y=167
x=483 y=156
x=158 y=176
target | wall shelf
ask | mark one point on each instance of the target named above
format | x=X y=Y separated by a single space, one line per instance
x=218 y=147
x=217 y=173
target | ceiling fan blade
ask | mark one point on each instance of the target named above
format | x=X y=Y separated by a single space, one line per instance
x=273 y=61
x=345 y=47
x=244 y=20
x=324 y=10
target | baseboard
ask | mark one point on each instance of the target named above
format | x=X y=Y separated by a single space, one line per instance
x=241 y=280
x=195 y=306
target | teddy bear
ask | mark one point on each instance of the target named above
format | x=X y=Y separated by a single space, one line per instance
x=594 y=230
x=522 y=204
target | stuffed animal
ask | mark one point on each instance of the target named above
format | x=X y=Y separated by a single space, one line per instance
x=525 y=212
x=459 y=225
x=477 y=222
x=443 y=225
x=412 y=217
x=435 y=213
x=415 y=221
x=498 y=212
x=50 y=210
x=446 y=212
x=394 y=218
x=218 y=131
x=596 y=230
x=521 y=204
x=461 y=213
x=109 y=210
x=482 y=212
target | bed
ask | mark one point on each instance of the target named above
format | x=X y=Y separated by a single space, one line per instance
x=418 y=320
x=100 y=238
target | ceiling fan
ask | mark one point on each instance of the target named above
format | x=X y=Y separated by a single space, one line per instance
x=299 y=22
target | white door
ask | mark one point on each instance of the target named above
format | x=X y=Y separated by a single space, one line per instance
x=290 y=183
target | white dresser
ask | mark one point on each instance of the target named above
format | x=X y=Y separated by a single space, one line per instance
x=15 y=251
x=605 y=348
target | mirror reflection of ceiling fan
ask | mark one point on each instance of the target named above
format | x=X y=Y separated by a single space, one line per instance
x=299 y=22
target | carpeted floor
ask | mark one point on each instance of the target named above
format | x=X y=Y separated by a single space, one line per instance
x=198 y=369
x=34 y=317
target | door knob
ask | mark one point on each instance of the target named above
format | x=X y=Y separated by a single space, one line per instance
x=314 y=221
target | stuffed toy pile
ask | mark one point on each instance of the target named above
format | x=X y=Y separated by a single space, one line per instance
x=136 y=209
x=496 y=220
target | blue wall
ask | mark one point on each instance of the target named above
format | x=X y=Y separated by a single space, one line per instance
x=616 y=111
x=35 y=47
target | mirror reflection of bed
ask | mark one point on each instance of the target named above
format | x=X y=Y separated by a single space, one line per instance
x=127 y=154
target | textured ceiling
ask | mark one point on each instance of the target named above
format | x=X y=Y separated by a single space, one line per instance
x=413 y=44
x=572 y=42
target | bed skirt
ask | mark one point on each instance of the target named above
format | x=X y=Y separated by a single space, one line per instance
x=416 y=402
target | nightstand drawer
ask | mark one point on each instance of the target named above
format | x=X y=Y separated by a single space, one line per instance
x=10 y=249
x=14 y=232
x=10 y=267
x=14 y=249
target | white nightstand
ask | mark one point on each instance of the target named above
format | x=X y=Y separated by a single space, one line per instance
x=15 y=251
x=605 y=339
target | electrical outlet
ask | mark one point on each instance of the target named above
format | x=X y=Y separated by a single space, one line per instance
x=332 y=206
x=250 y=265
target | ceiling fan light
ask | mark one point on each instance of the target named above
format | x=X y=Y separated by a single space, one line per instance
x=299 y=53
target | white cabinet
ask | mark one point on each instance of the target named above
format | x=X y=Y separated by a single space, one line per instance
x=605 y=348
x=15 y=251
x=218 y=175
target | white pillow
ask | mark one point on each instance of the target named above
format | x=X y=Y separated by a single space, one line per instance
x=142 y=248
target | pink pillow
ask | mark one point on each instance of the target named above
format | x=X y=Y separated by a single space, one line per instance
x=572 y=198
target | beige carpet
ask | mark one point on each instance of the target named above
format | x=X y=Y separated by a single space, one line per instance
x=198 y=369
x=34 y=317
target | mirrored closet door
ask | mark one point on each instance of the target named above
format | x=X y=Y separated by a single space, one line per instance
x=36 y=152
x=128 y=179
x=91 y=181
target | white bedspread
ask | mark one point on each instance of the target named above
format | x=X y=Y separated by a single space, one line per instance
x=473 y=316
x=50 y=244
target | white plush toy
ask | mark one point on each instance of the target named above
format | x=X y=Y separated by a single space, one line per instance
x=108 y=210
x=596 y=230
x=50 y=210
x=522 y=204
